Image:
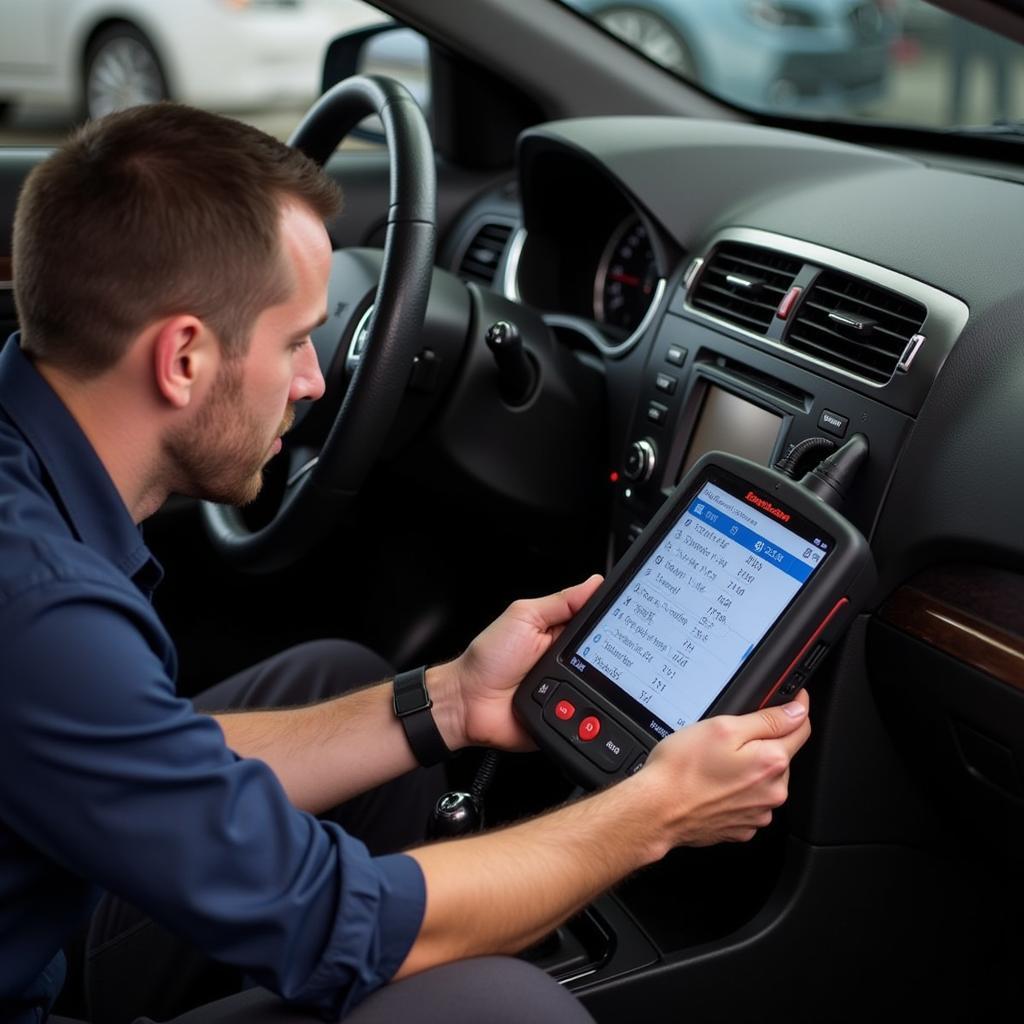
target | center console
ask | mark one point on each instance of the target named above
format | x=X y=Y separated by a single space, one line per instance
x=767 y=342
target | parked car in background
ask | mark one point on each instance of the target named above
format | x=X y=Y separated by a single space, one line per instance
x=89 y=57
x=769 y=54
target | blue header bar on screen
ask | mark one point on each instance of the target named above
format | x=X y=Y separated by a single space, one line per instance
x=702 y=509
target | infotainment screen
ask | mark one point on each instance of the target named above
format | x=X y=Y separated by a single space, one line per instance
x=699 y=604
x=731 y=424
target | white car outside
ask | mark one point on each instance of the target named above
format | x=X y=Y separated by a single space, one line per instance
x=93 y=56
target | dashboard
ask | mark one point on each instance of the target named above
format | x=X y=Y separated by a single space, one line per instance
x=750 y=288
x=678 y=252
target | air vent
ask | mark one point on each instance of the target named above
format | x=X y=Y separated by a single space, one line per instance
x=856 y=326
x=744 y=284
x=483 y=255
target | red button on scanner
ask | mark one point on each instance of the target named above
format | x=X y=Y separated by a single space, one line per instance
x=589 y=728
x=564 y=710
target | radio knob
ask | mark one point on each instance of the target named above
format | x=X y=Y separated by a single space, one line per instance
x=640 y=460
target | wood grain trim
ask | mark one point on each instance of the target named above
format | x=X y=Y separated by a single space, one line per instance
x=6 y=272
x=971 y=614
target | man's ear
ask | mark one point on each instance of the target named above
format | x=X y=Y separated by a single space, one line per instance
x=185 y=358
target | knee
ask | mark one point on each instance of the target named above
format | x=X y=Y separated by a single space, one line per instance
x=341 y=665
x=500 y=990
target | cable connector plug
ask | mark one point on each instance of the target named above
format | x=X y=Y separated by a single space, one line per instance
x=830 y=480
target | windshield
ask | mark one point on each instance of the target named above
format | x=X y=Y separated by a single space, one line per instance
x=896 y=61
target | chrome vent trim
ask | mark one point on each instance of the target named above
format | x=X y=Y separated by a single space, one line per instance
x=483 y=254
x=946 y=314
x=744 y=284
x=855 y=325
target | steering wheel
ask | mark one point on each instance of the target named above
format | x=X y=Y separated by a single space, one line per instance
x=319 y=490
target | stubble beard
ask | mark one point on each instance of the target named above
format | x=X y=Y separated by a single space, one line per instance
x=220 y=457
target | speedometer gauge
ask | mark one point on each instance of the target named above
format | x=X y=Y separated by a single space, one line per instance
x=626 y=277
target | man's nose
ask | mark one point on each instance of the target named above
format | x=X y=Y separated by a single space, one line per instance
x=308 y=381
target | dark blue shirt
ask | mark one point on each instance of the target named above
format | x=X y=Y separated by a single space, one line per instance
x=109 y=780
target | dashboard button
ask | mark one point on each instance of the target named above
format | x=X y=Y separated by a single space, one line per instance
x=833 y=423
x=666 y=382
x=675 y=355
x=590 y=728
x=656 y=413
x=565 y=710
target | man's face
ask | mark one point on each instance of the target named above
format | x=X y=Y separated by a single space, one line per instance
x=220 y=455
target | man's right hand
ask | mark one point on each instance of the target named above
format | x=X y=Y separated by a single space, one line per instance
x=720 y=779
x=500 y=891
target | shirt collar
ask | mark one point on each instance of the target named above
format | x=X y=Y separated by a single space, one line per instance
x=90 y=502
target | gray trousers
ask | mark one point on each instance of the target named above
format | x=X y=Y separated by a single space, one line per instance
x=488 y=990
x=137 y=971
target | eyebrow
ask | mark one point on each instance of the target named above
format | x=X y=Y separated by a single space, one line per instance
x=310 y=329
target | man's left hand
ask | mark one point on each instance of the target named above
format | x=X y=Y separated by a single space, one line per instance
x=496 y=662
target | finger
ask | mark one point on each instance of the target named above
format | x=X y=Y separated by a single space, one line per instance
x=796 y=739
x=576 y=597
x=557 y=609
x=771 y=723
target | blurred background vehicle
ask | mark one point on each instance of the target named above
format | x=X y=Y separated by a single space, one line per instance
x=767 y=54
x=89 y=57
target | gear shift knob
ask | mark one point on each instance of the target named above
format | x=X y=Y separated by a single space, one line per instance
x=454 y=814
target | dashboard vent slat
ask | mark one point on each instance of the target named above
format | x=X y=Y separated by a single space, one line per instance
x=753 y=306
x=825 y=325
x=484 y=254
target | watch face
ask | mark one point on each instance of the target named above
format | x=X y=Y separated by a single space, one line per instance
x=410 y=693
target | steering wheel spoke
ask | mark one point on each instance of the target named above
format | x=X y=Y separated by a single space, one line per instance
x=302 y=459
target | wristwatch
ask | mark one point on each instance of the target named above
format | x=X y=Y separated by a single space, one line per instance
x=412 y=709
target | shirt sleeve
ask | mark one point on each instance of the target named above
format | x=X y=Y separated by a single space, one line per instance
x=105 y=770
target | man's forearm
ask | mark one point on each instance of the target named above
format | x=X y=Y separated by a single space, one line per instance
x=326 y=753
x=499 y=892
x=717 y=780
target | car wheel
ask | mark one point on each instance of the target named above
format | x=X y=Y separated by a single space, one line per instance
x=654 y=37
x=121 y=70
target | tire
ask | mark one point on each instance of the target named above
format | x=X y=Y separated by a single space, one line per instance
x=651 y=35
x=121 y=70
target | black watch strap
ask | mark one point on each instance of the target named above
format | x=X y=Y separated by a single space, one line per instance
x=412 y=709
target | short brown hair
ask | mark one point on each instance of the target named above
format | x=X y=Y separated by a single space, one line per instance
x=149 y=212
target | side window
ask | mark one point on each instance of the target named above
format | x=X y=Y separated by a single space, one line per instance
x=259 y=60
